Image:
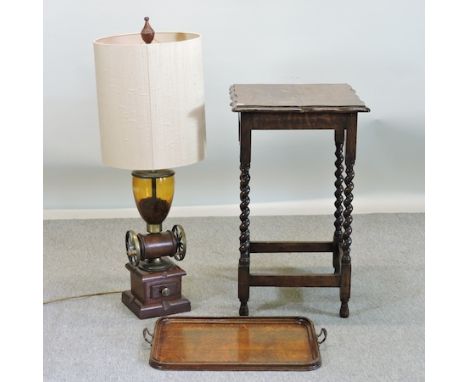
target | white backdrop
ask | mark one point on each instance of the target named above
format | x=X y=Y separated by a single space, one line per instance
x=376 y=46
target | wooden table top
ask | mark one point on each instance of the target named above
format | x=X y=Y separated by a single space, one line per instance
x=295 y=97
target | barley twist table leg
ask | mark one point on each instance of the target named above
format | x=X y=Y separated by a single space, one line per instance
x=339 y=141
x=345 y=289
x=244 y=239
x=346 y=260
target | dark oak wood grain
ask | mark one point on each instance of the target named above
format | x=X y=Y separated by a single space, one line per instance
x=300 y=107
x=319 y=280
x=335 y=98
x=244 y=239
x=276 y=120
x=338 y=234
x=290 y=246
x=350 y=157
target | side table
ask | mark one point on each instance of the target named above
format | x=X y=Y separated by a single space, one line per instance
x=294 y=107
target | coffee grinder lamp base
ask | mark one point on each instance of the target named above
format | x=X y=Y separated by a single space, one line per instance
x=155 y=294
x=163 y=308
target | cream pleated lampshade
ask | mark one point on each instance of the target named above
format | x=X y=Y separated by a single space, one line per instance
x=151 y=100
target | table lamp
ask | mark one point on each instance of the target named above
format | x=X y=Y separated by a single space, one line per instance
x=151 y=118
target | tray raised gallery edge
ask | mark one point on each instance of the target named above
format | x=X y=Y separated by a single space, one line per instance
x=235 y=343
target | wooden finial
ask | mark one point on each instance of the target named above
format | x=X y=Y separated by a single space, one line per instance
x=147 y=33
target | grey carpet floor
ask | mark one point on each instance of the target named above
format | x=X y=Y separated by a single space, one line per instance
x=98 y=339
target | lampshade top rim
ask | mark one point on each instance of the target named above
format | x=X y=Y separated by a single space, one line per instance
x=160 y=38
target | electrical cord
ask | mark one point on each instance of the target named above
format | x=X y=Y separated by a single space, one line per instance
x=80 y=296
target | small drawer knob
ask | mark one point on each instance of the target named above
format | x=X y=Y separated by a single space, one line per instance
x=165 y=292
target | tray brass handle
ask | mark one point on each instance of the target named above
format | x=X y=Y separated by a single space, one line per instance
x=146 y=334
x=324 y=332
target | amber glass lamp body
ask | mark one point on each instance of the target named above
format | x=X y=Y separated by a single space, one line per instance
x=153 y=191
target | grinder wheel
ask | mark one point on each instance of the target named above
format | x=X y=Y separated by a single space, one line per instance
x=133 y=247
x=181 y=240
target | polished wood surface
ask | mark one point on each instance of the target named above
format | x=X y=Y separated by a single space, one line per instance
x=235 y=343
x=147 y=33
x=295 y=97
x=299 y=107
x=290 y=246
x=292 y=121
x=319 y=280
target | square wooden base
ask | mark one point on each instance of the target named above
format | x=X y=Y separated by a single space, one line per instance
x=155 y=294
x=163 y=308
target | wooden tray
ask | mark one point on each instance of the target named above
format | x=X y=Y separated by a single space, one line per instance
x=234 y=343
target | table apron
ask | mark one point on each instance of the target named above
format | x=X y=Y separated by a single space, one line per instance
x=295 y=121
